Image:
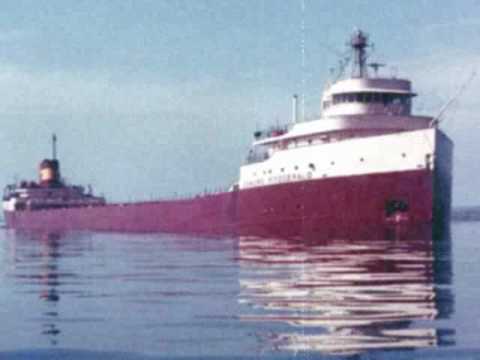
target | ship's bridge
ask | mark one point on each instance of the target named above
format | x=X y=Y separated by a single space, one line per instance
x=351 y=108
x=368 y=96
x=355 y=107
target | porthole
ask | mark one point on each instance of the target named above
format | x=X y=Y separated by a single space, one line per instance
x=362 y=159
x=296 y=167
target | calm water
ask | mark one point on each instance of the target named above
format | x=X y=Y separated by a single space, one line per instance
x=101 y=295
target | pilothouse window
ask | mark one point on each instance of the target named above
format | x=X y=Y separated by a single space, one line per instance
x=373 y=97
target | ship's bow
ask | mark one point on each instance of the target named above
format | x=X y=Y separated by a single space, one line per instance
x=442 y=179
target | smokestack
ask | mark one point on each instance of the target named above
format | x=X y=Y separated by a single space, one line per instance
x=294 y=108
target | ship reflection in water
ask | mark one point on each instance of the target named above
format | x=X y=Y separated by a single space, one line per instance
x=191 y=296
x=44 y=274
x=347 y=297
x=50 y=278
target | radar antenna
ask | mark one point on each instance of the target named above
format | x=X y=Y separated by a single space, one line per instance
x=376 y=66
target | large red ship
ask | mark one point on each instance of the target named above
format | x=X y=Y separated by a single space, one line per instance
x=365 y=162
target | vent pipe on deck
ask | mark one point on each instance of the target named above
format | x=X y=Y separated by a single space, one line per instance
x=294 y=108
x=54 y=146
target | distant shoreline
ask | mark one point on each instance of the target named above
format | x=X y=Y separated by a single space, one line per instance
x=466 y=213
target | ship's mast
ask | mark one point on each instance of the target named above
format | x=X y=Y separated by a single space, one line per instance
x=359 y=42
x=54 y=146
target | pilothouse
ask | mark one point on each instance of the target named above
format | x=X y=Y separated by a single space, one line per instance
x=359 y=106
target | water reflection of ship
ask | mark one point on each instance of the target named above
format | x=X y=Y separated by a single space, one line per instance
x=45 y=272
x=348 y=296
x=50 y=279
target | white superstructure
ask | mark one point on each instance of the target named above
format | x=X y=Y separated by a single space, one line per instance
x=366 y=127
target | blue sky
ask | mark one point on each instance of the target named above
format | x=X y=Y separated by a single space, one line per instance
x=150 y=98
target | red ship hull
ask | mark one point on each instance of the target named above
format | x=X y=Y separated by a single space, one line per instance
x=340 y=205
